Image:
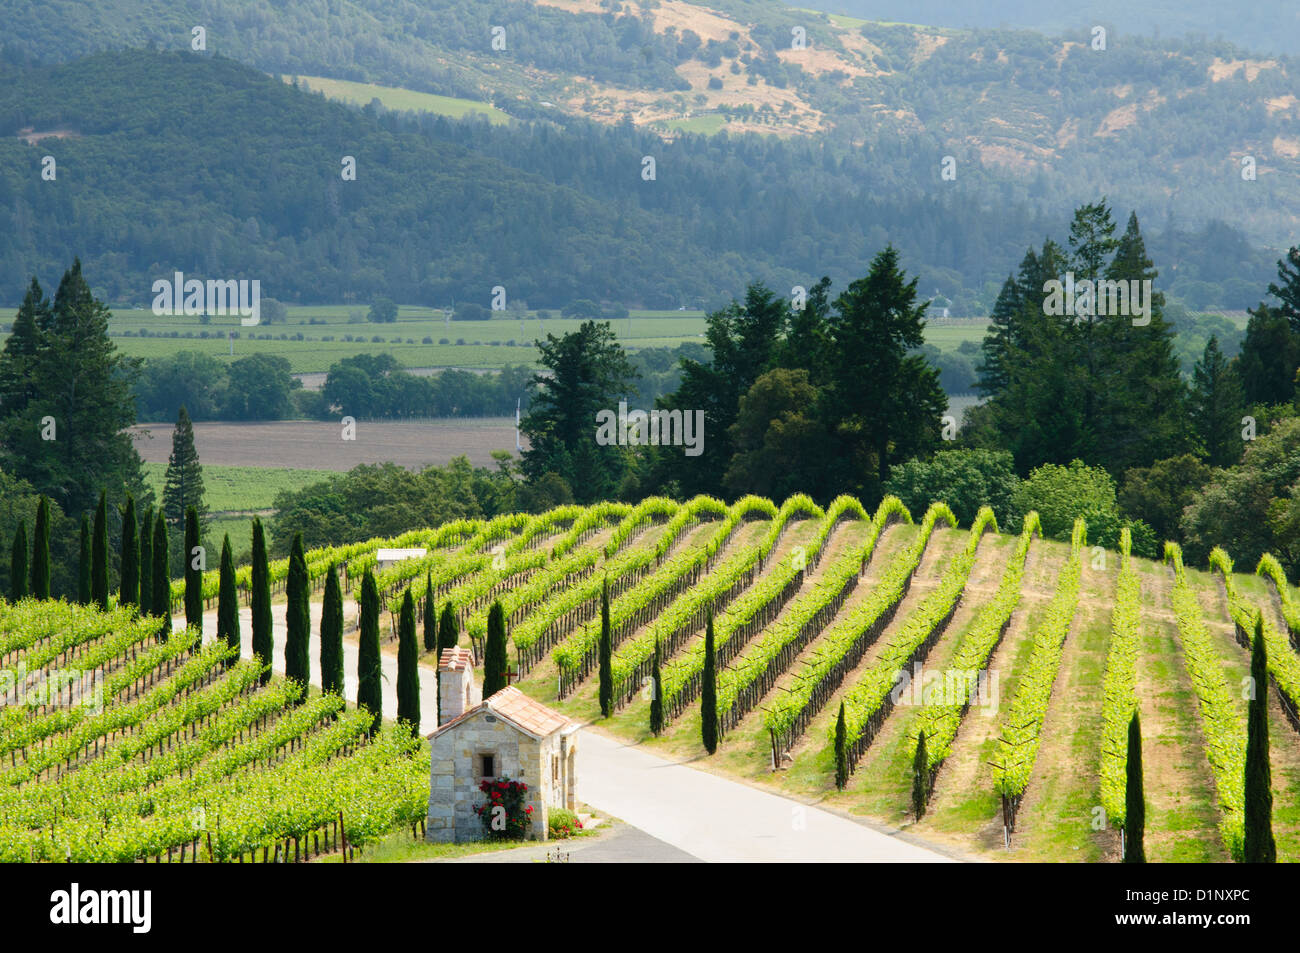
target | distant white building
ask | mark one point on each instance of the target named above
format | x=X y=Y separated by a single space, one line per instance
x=384 y=558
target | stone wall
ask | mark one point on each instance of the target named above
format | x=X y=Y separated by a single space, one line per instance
x=454 y=775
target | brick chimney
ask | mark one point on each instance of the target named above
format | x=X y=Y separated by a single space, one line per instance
x=457 y=691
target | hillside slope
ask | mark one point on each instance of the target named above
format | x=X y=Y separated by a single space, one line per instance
x=1160 y=119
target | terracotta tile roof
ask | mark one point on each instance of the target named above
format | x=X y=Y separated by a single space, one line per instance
x=515 y=708
x=455 y=659
x=455 y=721
x=531 y=716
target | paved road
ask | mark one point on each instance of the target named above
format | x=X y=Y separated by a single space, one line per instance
x=622 y=845
x=677 y=807
x=723 y=821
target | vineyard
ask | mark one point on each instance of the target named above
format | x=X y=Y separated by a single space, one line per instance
x=982 y=669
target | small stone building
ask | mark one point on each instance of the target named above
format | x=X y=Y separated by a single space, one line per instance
x=505 y=736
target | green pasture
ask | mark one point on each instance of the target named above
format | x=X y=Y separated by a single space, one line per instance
x=236 y=489
x=400 y=99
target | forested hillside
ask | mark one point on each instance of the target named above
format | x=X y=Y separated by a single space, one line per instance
x=445 y=210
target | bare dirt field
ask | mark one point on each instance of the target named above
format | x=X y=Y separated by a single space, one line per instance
x=318 y=445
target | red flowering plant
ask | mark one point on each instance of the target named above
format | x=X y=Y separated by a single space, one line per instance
x=504 y=815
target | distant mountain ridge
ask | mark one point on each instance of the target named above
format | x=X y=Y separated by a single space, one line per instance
x=860 y=125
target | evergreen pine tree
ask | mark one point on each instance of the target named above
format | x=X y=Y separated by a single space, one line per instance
x=999 y=340
x=430 y=616
x=408 y=666
x=83 y=564
x=841 y=751
x=1135 y=809
x=1141 y=397
x=162 y=580
x=1216 y=405
x=184 y=486
x=331 y=635
x=227 y=599
x=18 y=564
x=60 y=362
x=709 y=692
x=1270 y=354
x=40 y=588
x=194 y=563
x=1288 y=292
x=495 y=662
x=369 y=665
x=656 y=697
x=920 y=777
x=885 y=400
x=1257 y=845
x=18 y=356
x=260 y=601
x=99 y=555
x=606 y=655
x=129 y=588
x=145 y=535
x=297 y=661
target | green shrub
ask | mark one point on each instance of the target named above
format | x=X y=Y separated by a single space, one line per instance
x=562 y=822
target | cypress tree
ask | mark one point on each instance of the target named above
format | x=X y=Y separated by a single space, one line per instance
x=99 y=555
x=920 y=777
x=331 y=635
x=162 y=580
x=1258 y=846
x=227 y=599
x=430 y=616
x=145 y=535
x=841 y=752
x=18 y=564
x=369 y=666
x=709 y=692
x=129 y=591
x=495 y=663
x=1135 y=808
x=297 y=664
x=40 y=588
x=408 y=666
x=606 y=655
x=260 y=601
x=83 y=564
x=194 y=563
x=656 y=699
x=448 y=636
x=448 y=629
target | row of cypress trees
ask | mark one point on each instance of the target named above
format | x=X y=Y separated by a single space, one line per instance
x=708 y=688
x=144 y=576
x=31 y=578
x=145 y=583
